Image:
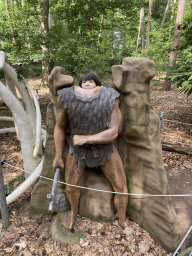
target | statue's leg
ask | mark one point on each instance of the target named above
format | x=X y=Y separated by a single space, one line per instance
x=72 y=176
x=114 y=171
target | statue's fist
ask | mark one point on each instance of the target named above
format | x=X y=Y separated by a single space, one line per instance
x=58 y=162
x=79 y=140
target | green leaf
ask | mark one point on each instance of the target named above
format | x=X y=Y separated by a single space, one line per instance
x=185 y=83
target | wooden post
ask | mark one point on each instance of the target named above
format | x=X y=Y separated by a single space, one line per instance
x=3 y=203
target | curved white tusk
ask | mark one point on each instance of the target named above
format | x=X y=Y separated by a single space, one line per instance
x=2 y=59
x=25 y=132
x=6 y=118
x=7 y=130
x=44 y=136
x=38 y=120
x=13 y=83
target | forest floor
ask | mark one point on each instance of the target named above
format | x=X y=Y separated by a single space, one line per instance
x=29 y=234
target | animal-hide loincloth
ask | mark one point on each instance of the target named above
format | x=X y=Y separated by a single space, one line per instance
x=87 y=117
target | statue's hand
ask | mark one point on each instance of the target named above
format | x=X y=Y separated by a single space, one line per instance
x=58 y=162
x=79 y=140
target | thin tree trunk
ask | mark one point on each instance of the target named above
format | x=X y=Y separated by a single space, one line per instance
x=29 y=46
x=175 y=44
x=143 y=30
x=45 y=46
x=101 y=27
x=173 y=4
x=9 y=18
x=165 y=14
x=173 y=7
x=90 y=21
x=138 y=35
x=149 y=23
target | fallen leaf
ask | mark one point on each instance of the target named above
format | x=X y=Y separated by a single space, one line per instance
x=26 y=253
x=188 y=165
x=22 y=243
x=48 y=248
x=144 y=247
x=128 y=231
x=8 y=249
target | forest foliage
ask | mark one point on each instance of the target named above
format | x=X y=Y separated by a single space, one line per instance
x=182 y=69
x=92 y=34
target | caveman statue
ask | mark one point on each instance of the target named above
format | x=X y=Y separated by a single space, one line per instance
x=94 y=118
x=86 y=120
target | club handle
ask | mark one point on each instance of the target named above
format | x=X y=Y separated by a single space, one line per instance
x=55 y=181
x=56 y=177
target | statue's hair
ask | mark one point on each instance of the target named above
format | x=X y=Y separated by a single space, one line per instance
x=90 y=75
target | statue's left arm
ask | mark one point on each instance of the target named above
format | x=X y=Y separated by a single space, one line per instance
x=105 y=136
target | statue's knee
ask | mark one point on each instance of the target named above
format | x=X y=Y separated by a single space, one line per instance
x=122 y=188
x=70 y=189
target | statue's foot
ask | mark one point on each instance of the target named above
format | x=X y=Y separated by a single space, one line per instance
x=122 y=224
x=69 y=220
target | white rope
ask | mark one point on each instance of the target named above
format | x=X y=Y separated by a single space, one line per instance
x=183 y=241
x=190 y=254
x=176 y=122
x=105 y=191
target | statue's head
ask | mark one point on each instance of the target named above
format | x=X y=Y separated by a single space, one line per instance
x=90 y=75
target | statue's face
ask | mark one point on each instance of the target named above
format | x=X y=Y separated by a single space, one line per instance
x=89 y=84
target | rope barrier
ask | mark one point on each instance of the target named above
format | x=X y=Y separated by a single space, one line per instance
x=176 y=122
x=167 y=120
x=182 y=241
x=105 y=191
x=112 y=192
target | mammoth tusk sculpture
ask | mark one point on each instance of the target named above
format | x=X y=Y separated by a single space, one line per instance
x=27 y=121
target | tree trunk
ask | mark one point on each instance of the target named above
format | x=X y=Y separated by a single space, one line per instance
x=165 y=14
x=149 y=23
x=138 y=35
x=176 y=148
x=45 y=45
x=9 y=18
x=173 y=8
x=90 y=21
x=176 y=39
x=101 y=27
x=29 y=46
x=143 y=30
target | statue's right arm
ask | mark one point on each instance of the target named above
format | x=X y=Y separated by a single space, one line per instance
x=59 y=134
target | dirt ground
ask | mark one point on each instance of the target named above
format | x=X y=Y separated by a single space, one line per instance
x=29 y=235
